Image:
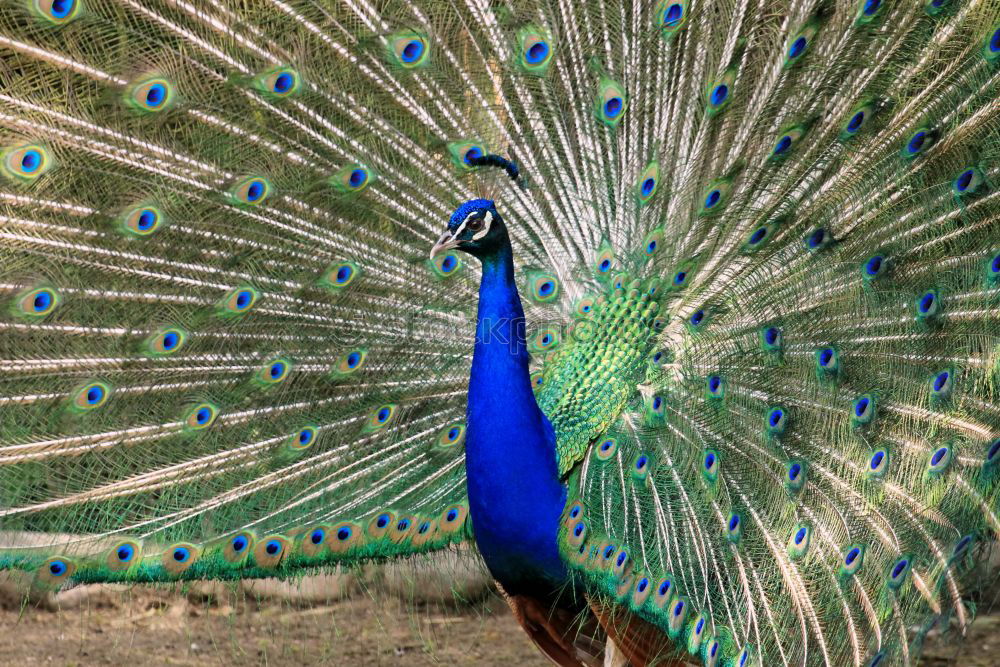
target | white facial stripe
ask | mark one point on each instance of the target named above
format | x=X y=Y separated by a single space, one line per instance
x=487 y=220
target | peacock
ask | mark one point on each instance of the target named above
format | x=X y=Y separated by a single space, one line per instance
x=684 y=315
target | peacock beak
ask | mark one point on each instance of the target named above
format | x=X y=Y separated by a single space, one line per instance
x=446 y=242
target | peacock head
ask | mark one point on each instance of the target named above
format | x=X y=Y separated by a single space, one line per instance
x=476 y=228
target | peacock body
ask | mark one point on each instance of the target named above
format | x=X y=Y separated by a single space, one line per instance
x=732 y=271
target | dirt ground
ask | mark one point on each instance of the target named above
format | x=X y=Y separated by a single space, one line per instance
x=160 y=627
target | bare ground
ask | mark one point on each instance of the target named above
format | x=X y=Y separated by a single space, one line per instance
x=145 y=626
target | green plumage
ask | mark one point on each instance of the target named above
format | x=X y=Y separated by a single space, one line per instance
x=758 y=251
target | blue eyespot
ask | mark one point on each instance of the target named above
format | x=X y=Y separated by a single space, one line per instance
x=357 y=178
x=816 y=239
x=861 y=406
x=353 y=359
x=774 y=419
x=412 y=51
x=383 y=520
x=800 y=535
x=871 y=6
x=995 y=42
x=60 y=9
x=714 y=383
x=272 y=548
x=964 y=179
x=344 y=533
x=146 y=221
x=873 y=266
x=680 y=277
x=664 y=588
x=31 y=160
x=701 y=626
x=697 y=317
x=317 y=536
x=42 y=301
x=95 y=394
x=125 y=553
x=793 y=471
x=941 y=380
x=641 y=462
x=962 y=544
x=57 y=568
x=403 y=525
x=306 y=435
x=452 y=515
x=642 y=585
x=606 y=445
x=657 y=402
x=283 y=82
x=651 y=248
x=719 y=94
x=536 y=53
x=927 y=302
x=783 y=145
x=155 y=95
x=578 y=529
x=647 y=188
x=825 y=357
x=713 y=198
x=673 y=15
x=277 y=369
x=243 y=299
x=609 y=551
x=797 y=47
x=877 y=460
x=771 y=335
x=613 y=106
x=679 y=608
x=857 y=120
x=203 y=416
x=938 y=455
x=709 y=460
x=758 y=235
x=622 y=557
x=344 y=274
x=734 y=522
x=383 y=415
x=181 y=554
x=916 y=142
x=239 y=543
x=852 y=555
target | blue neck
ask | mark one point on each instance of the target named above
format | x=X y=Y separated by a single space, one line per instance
x=515 y=496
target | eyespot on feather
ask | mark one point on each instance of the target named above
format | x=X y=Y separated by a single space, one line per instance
x=54 y=572
x=35 y=303
x=535 y=50
x=382 y=417
x=408 y=49
x=124 y=556
x=165 y=342
x=141 y=221
x=271 y=551
x=611 y=102
x=451 y=436
x=445 y=265
x=273 y=371
x=238 y=547
x=344 y=537
x=200 y=417
x=452 y=519
x=380 y=524
x=278 y=82
x=463 y=152
x=178 y=558
x=647 y=187
x=250 y=191
x=57 y=12
x=352 y=179
x=350 y=362
x=26 y=163
x=150 y=95
x=670 y=17
x=425 y=531
x=238 y=301
x=303 y=439
x=90 y=396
